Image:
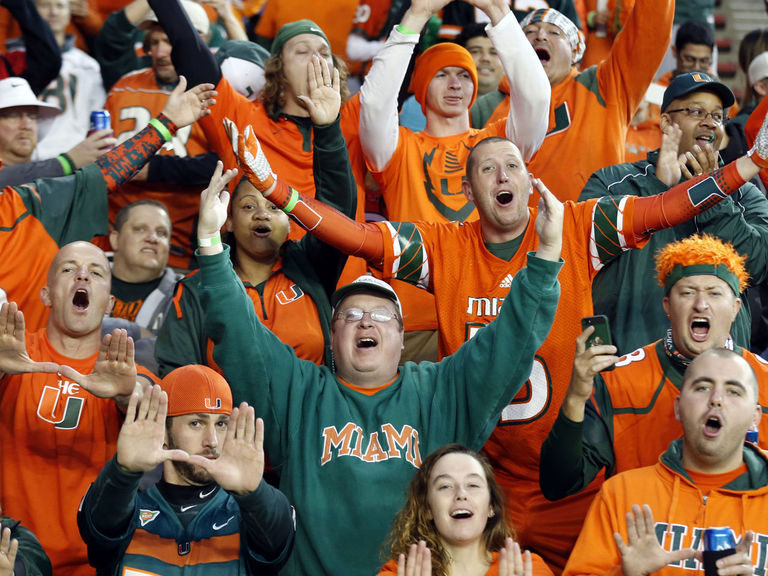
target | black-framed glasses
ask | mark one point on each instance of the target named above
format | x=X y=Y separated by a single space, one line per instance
x=380 y=315
x=701 y=114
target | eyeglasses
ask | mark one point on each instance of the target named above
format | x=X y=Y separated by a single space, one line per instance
x=700 y=114
x=350 y=315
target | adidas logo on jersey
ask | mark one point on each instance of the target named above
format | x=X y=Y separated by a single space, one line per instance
x=507 y=282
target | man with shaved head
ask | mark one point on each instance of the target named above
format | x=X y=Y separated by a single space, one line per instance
x=61 y=389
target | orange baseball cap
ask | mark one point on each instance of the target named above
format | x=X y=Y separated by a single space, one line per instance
x=196 y=389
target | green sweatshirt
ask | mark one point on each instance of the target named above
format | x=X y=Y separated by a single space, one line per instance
x=345 y=458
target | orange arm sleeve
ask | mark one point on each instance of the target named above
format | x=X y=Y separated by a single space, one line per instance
x=331 y=226
x=684 y=201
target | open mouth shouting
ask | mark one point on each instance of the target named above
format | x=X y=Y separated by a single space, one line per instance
x=700 y=329
x=366 y=342
x=543 y=53
x=81 y=300
x=504 y=198
x=713 y=425
x=261 y=230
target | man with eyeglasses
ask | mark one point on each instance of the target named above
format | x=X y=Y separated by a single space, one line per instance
x=347 y=440
x=692 y=115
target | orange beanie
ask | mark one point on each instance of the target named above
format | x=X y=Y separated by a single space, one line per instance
x=432 y=60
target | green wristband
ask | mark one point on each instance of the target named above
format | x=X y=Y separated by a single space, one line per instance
x=208 y=242
x=66 y=163
x=164 y=132
x=292 y=201
x=403 y=30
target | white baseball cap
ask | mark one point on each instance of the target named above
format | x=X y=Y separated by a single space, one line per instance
x=15 y=91
x=196 y=14
x=366 y=283
x=758 y=68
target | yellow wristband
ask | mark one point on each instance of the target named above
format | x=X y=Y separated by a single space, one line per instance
x=292 y=201
x=164 y=132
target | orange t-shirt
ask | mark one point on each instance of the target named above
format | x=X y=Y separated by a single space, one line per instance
x=54 y=439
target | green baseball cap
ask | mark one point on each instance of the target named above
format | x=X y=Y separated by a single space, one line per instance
x=292 y=29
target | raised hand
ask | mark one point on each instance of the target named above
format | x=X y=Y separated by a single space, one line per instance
x=184 y=108
x=668 y=165
x=324 y=100
x=512 y=562
x=114 y=374
x=214 y=201
x=13 y=348
x=759 y=152
x=8 y=548
x=549 y=223
x=494 y=9
x=241 y=465
x=418 y=562
x=643 y=554
x=140 y=443
x=586 y=364
x=251 y=157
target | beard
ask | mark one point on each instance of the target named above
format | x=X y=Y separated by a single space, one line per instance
x=192 y=473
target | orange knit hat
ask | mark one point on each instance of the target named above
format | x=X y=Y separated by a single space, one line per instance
x=196 y=389
x=432 y=60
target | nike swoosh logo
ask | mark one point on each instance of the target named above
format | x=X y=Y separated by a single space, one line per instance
x=217 y=527
x=206 y=494
x=185 y=508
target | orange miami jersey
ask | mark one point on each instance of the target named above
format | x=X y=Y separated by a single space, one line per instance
x=470 y=283
x=54 y=439
x=132 y=102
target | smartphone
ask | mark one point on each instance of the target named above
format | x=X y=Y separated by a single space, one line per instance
x=602 y=333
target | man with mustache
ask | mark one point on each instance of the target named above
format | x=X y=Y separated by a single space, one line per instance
x=211 y=505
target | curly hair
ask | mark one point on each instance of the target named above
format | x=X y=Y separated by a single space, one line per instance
x=273 y=93
x=701 y=249
x=413 y=522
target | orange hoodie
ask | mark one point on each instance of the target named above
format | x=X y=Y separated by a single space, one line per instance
x=680 y=510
